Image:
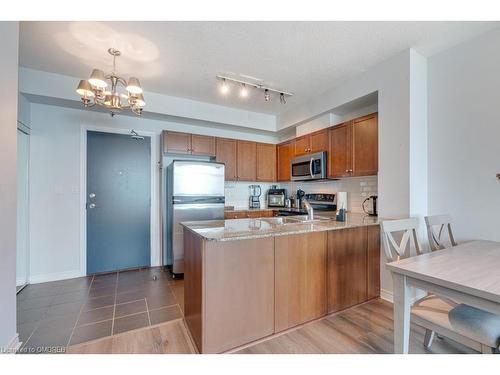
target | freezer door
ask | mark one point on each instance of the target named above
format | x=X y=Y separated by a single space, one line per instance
x=197 y=178
x=190 y=212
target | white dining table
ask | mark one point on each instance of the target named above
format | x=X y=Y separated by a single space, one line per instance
x=468 y=273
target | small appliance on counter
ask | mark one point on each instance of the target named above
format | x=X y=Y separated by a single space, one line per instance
x=276 y=197
x=370 y=205
x=298 y=198
x=255 y=193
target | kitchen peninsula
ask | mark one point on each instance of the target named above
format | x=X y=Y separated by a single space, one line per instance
x=251 y=278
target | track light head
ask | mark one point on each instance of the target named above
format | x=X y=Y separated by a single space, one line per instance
x=282 y=98
x=224 y=88
x=267 y=96
x=243 y=91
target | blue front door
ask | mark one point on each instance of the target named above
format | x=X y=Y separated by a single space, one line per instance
x=118 y=202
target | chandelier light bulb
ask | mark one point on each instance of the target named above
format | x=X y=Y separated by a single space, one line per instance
x=224 y=88
x=243 y=91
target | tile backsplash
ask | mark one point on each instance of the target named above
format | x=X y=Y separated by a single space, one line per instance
x=357 y=188
x=238 y=193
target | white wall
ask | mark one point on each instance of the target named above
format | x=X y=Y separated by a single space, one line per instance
x=62 y=88
x=55 y=180
x=464 y=136
x=391 y=79
x=8 y=112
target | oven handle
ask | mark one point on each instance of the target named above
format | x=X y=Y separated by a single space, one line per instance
x=311 y=167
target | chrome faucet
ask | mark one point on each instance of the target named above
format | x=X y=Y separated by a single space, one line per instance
x=309 y=208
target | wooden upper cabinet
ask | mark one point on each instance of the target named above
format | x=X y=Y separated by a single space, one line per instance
x=202 y=145
x=347 y=268
x=226 y=152
x=365 y=145
x=266 y=162
x=285 y=153
x=176 y=143
x=185 y=143
x=300 y=279
x=247 y=161
x=302 y=145
x=339 y=156
x=319 y=141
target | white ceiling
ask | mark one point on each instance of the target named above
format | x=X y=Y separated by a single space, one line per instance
x=182 y=58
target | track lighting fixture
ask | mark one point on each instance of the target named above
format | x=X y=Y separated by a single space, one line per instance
x=267 y=96
x=244 y=88
x=243 y=91
x=224 y=88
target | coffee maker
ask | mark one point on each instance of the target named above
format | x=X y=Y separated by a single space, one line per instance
x=254 y=200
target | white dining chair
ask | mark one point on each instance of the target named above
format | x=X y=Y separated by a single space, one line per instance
x=436 y=226
x=469 y=321
x=432 y=312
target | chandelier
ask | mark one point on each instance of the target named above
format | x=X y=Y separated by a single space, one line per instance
x=122 y=95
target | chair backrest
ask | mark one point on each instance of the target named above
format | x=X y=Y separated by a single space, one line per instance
x=394 y=250
x=436 y=238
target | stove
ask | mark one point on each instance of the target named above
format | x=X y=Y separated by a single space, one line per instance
x=319 y=202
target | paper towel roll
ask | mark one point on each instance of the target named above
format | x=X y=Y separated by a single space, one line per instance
x=341 y=200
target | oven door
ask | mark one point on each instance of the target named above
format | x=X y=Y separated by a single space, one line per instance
x=309 y=167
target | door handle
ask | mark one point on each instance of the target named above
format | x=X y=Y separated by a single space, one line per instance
x=311 y=167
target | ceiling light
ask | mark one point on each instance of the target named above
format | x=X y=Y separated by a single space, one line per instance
x=243 y=91
x=85 y=89
x=224 y=88
x=245 y=86
x=267 y=96
x=134 y=86
x=111 y=99
x=98 y=79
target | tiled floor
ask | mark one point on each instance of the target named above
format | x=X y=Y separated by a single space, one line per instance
x=69 y=312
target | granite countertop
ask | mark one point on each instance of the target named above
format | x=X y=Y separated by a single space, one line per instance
x=243 y=229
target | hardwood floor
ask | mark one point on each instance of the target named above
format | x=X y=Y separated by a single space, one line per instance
x=367 y=328
x=167 y=338
x=364 y=329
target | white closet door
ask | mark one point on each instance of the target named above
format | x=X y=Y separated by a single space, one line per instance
x=22 y=264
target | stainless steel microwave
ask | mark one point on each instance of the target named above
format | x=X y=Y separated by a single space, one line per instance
x=309 y=167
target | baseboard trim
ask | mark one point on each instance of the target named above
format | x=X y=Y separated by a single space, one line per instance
x=386 y=295
x=13 y=346
x=35 y=279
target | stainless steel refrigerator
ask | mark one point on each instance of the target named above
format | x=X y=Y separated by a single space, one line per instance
x=195 y=191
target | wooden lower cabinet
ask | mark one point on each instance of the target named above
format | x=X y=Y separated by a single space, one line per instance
x=236 y=292
x=373 y=262
x=350 y=267
x=300 y=279
x=234 y=284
